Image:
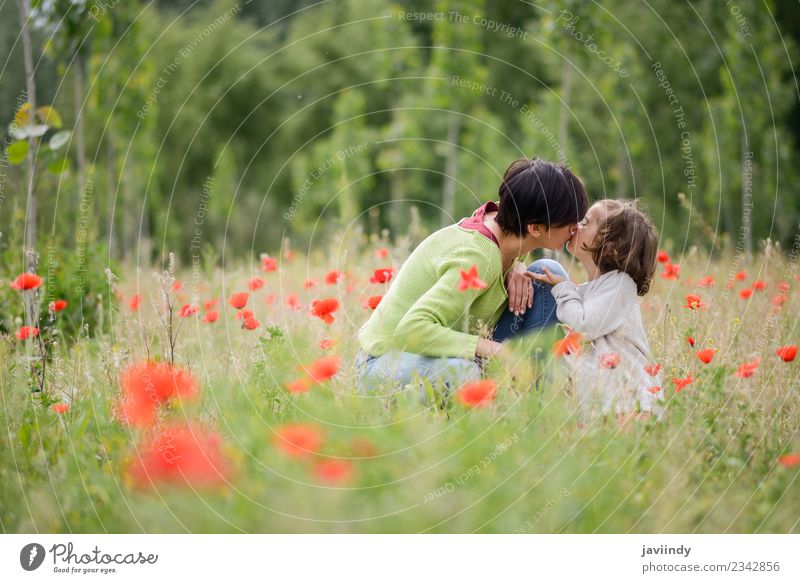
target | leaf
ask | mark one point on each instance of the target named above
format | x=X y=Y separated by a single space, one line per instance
x=59 y=139
x=58 y=166
x=34 y=131
x=17 y=152
x=49 y=116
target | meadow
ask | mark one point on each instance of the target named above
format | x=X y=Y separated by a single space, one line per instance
x=257 y=426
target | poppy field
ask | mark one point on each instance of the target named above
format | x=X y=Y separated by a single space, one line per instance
x=224 y=400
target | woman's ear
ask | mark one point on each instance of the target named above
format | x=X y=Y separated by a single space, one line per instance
x=534 y=230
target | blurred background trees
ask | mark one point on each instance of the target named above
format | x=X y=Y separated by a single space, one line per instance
x=312 y=117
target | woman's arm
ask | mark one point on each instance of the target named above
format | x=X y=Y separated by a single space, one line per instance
x=427 y=326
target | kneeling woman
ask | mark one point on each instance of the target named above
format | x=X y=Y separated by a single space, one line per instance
x=465 y=276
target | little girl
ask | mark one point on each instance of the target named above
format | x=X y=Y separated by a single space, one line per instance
x=611 y=372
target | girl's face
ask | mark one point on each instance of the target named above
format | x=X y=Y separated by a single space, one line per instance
x=556 y=237
x=587 y=230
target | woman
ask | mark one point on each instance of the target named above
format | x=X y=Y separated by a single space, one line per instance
x=462 y=277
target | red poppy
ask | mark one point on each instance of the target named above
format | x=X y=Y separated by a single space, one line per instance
x=789 y=460
x=747 y=369
x=180 y=454
x=323 y=369
x=59 y=408
x=250 y=323
x=239 y=300
x=188 y=310
x=778 y=300
x=706 y=281
x=470 y=279
x=135 y=302
x=332 y=277
x=652 y=369
x=787 y=353
x=256 y=283
x=298 y=439
x=57 y=305
x=759 y=285
x=690 y=340
x=333 y=471
x=299 y=386
x=26 y=281
x=211 y=303
x=270 y=299
x=324 y=309
x=680 y=384
x=671 y=271
x=381 y=253
x=783 y=287
x=382 y=275
x=373 y=301
x=610 y=360
x=693 y=302
x=26 y=332
x=147 y=385
x=706 y=355
x=740 y=276
x=268 y=263
x=244 y=314
x=326 y=344
x=294 y=302
x=663 y=257
x=309 y=283
x=477 y=393
x=211 y=317
x=570 y=344
x=176 y=286
x=654 y=390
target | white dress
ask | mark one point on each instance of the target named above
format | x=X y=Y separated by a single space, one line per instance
x=605 y=311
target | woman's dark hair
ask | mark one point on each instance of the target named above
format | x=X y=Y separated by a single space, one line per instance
x=539 y=192
x=626 y=240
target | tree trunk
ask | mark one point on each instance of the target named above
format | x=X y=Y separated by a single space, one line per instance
x=30 y=83
x=563 y=118
x=450 y=170
x=79 y=142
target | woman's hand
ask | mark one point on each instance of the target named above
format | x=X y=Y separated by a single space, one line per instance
x=520 y=290
x=546 y=277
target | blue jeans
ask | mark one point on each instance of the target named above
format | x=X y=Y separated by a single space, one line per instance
x=401 y=367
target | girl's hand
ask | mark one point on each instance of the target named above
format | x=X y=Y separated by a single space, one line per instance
x=546 y=277
x=520 y=290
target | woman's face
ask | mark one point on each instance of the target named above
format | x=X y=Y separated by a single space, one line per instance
x=586 y=232
x=556 y=237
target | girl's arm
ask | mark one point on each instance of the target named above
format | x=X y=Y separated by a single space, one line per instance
x=602 y=310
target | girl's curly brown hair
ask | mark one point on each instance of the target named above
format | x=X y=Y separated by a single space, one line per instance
x=626 y=240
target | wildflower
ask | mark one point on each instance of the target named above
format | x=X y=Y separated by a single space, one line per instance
x=294 y=302
x=381 y=253
x=740 y=276
x=298 y=439
x=211 y=317
x=787 y=353
x=256 y=283
x=26 y=332
x=747 y=369
x=59 y=408
x=706 y=281
x=477 y=393
x=693 y=302
x=652 y=369
x=250 y=323
x=148 y=385
x=324 y=309
x=211 y=303
x=706 y=355
x=470 y=279
x=610 y=360
x=681 y=384
x=299 y=386
x=759 y=285
x=333 y=471
x=690 y=340
x=135 y=302
x=326 y=344
x=654 y=390
x=268 y=263
x=332 y=277
x=382 y=275
x=309 y=283
x=239 y=300
x=789 y=460
x=244 y=314
x=778 y=300
x=188 y=310
x=569 y=345
x=373 y=301
x=26 y=281
x=180 y=454
x=671 y=271
x=323 y=369
x=57 y=305
x=663 y=257
x=783 y=287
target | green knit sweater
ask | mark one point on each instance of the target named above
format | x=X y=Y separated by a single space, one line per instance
x=424 y=312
